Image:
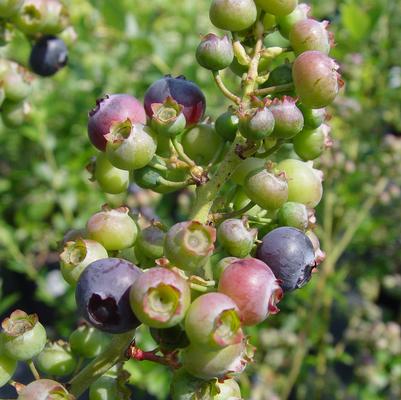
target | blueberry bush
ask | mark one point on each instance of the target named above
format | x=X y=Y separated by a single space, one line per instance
x=214 y=214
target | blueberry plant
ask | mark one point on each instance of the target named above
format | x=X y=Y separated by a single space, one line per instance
x=40 y=21
x=200 y=283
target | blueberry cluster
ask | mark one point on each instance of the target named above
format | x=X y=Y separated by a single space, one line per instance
x=40 y=21
x=198 y=285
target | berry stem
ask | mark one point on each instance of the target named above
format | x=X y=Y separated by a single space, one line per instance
x=206 y=194
x=218 y=217
x=223 y=88
x=101 y=364
x=181 y=153
x=33 y=369
x=273 y=89
x=169 y=359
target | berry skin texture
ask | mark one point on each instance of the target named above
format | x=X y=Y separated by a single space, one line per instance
x=290 y=255
x=7 y=368
x=235 y=237
x=103 y=305
x=215 y=53
x=160 y=298
x=289 y=120
x=309 y=34
x=266 y=189
x=294 y=215
x=247 y=166
x=77 y=256
x=310 y=143
x=201 y=143
x=209 y=364
x=44 y=389
x=213 y=321
x=313 y=117
x=253 y=287
x=304 y=184
x=110 y=110
x=110 y=179
x=88 y=342
x=48 y=55
x=56 y=359
x=316 y=79
x=286 y=22
x=23 y=336
x=184 y=92
x=277 y=7
x=104 y=388
x=256 y=124
x=130 y=146
x=188 y=244
x=226 y=125
x=233 y=15
x=113 y=228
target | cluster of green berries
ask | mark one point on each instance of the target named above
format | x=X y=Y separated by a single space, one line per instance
x=199 y=284
x=40 y=21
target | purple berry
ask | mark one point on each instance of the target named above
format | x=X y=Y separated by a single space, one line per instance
x=290 y=255
x=253 y=287
x=184 y=92
x=111 y=110
x=49 y=54
x=102 y=294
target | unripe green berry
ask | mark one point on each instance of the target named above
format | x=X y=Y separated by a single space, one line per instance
x=9 y=7
x=267 y=190
x=23 y=336
x=56 y=359
x=110 y=179
x=130 y=146
x=104 y=388
x=88 y=342
x=310 y=143
x=188 y=244
x=257 y=123
x=245 y=167
x=293 y=214
x=277 y=7
x=286 y=22
x=233 y=15
x=236 y=238
x=8 y=366
x=226 y=125
x=77 y=255
x=215 y=53
x=150 y=242
x=113 y=228
x=313 y=117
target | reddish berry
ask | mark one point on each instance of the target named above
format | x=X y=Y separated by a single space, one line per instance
x=309 y=34
x=253 y=287
x=316 y=79
x=109 y=111
x=215 y=53
x=257 y=123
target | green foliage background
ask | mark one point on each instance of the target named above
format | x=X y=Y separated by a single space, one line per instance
x=339 y=337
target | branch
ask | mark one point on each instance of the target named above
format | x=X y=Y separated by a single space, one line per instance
x=224 y=89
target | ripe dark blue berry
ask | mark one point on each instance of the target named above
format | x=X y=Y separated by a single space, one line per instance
x=290 y=255
x=48 y=55
x=102 y=294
